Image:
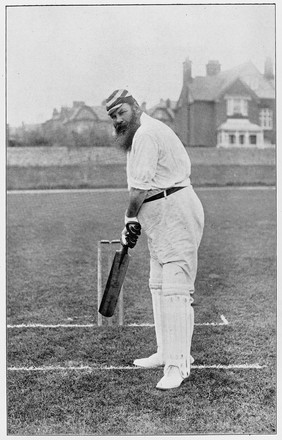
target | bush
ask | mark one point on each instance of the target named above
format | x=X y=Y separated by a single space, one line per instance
x=14 y=143
x=35 y=138
x=88 y=138
x=101 y=137
x=28 y=138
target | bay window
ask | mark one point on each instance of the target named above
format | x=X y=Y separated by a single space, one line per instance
x=266 y=119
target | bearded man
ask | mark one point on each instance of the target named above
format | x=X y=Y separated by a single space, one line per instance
x=163 y=202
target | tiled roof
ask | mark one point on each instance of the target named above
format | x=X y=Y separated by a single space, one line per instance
x=68 y=114
x=101 y=113
x=73 y=113
x=163 y=105
x=65 y=114
x=208 y=88
x=239 y=124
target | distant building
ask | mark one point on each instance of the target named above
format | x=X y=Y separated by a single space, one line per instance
x=80 y=119
x=231 y=108
x=164 y=111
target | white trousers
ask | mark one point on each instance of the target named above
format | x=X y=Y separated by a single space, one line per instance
x=174 y=227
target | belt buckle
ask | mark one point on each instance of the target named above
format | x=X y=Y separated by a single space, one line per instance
x=165 y=194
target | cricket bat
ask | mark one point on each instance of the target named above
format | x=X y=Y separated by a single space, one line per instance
x=114 y=282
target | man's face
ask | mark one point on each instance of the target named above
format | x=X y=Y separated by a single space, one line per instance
x=122 y=116
x=126 y=120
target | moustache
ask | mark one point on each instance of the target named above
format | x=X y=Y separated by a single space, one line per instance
x=121 y=127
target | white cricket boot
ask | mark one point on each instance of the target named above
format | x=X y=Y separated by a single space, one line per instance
x=177 y=334
x=156 y=359
x=171 y=379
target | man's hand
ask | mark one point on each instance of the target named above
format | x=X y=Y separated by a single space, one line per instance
x=131 y=232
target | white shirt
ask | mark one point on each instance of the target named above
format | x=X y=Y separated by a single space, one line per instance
x=157 y=159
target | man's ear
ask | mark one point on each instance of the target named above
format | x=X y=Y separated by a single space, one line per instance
x=137 y=108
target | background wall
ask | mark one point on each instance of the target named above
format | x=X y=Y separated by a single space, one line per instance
x=60 y=156
x=105 y=167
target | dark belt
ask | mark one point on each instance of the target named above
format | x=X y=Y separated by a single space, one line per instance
x=163 y=193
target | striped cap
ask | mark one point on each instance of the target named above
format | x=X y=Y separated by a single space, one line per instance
x=116 y=99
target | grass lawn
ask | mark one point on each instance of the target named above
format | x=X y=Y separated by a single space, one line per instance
x=51 y=279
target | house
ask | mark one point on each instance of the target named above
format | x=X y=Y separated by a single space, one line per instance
x=164 y=111
x=227 y=108
x=80 y=119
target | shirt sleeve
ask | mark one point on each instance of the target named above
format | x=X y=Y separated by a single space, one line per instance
x=143 y=162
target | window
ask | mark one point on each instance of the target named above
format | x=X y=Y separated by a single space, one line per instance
x=232 y=139
x=253 y=139
x=237 y=106
x=266 y=118
x=241 y=139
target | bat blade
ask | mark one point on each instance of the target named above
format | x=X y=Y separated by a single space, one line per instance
x=114 y=282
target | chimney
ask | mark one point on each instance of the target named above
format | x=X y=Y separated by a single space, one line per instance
x=64 y=111
x=213 y=68
x=187 y=71
x=268 y=69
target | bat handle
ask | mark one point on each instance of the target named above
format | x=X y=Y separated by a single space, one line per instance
x=124 y=250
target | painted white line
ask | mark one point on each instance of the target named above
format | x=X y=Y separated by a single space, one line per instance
x=70 y=190
x=230 y=367
x=232 y=187
x=50 y=325
x=128 y=367
x=101 y=190
x=215 y=324
x=224 y=320
x=32 y=325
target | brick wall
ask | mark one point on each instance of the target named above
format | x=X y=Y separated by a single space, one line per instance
x=202 y=124
x=59 y=156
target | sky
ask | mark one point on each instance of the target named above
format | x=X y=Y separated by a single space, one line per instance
x=60 y=54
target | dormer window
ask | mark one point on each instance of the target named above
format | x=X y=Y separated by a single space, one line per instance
x=237 y=106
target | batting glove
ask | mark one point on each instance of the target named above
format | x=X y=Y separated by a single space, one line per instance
x=131 y=232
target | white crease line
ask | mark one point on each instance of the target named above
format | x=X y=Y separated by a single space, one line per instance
x=232 y=187
x=49 y=325
x=31 y=325
x=224 y=320
x=86 y=367
x=99 y=190
x=62 y=190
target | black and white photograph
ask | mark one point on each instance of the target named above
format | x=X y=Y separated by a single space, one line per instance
x=141 y=219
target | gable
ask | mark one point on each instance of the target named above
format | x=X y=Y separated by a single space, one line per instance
x=84 y=113
x=238 y=88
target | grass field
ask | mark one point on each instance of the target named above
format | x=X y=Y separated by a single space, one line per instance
x=51 y=279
